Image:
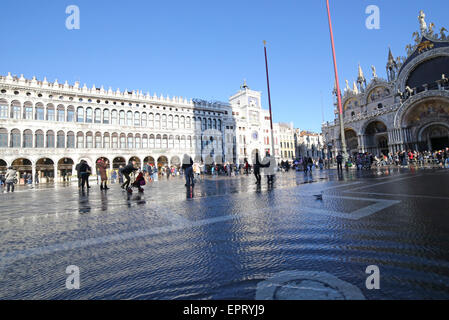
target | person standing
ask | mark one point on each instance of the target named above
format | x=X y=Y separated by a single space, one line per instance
x=340 y=162
x=187 y=166
x=83 y=173
x=257 y=169
x=102 y=169
x=10 y=178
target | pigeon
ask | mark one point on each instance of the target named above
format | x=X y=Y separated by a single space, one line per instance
x=319 y=196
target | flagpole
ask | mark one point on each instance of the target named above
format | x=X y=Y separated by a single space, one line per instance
x=273 y=154
x=340 y=108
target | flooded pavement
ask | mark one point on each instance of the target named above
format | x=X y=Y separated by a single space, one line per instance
x=229 y=239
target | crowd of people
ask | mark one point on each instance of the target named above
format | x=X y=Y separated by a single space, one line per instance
x=401 y=159
x=131 y=176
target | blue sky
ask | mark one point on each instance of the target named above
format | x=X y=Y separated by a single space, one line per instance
x=204 y=49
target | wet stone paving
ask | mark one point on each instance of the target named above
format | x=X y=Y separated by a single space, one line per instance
x=229 y=239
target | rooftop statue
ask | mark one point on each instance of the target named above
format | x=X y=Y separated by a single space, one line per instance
x=422 y=22
x=374 y=71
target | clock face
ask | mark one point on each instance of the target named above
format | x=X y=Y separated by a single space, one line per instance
x=253 y=102
x=255 y=135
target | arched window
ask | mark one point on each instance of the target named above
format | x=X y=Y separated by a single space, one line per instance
x=183 y=122
x=122 y=141
x=209 y=124
x=70 y=113
x=129 y=117
x=50 y=112
x=204 y=128
x=61 y=113
x=164 y=121
x=3 y=138
x=97 y=115
x=144 y=120
x=106 y=116
x=60 y=140
x=71 y=140
x=151 y=121
x=177 y=140
x=157 y=124
x=89 y=140
x=136 y=119
x=28 y=111
x=114 y=117
x=39 y=139
x=122 y=118
x=98 y=142
x=158 y=141
x=114 y=141
x=80 y=114
x=3 y=109
x=27 y=139
x=171 y=142
x=219 y=125
x=165 y=141
x=188 y=123
x=80 y=140
x=138 y=142
x=106 y=141
x=214 y=124
x=15 y=138
x=145 y=141
x=130 y=141
x=15 y=110
x=170 y=122
x=89 y=115
x=50 y=139
x=176 y=124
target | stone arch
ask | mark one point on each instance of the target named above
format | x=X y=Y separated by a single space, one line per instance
x=3 y=166
x=376 y=137
x=162 y=161
x=118 y=162
x=45 y=168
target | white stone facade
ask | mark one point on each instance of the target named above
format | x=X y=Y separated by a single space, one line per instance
x=49 y=127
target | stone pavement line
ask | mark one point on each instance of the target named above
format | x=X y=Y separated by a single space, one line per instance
x=400 y=195
x=179 y=223
x=384 y=182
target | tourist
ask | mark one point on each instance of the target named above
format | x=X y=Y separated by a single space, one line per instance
x=10 y=179
x=340 y=162
x=187 y=166
x=257 y=166
x=83 y=173
x=102 y=168
x=126 y=171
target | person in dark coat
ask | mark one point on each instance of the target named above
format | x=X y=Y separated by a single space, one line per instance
x=256 y=166
x=187 y=166
x=126 y=171
x=84 y=173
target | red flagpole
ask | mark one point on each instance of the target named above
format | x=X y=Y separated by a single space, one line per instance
x=340 y=107
x=269 y=101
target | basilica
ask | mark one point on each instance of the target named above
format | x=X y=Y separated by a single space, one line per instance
x=407 y=111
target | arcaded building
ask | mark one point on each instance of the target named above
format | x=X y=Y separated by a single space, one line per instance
x=47 y=128
x=408 y=110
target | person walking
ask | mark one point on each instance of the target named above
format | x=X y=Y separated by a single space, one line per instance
x=187 y=166
x=257 y=169
x=126 y=171
x=10 y=179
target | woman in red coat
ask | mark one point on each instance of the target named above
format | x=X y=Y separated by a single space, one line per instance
x=102 y=168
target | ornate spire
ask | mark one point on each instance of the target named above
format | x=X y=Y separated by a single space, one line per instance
x=245 y=85
x=361 y=81
x=355 y=89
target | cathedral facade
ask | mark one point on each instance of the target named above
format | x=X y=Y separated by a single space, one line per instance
x=407 y=111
